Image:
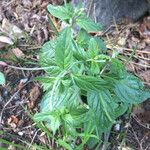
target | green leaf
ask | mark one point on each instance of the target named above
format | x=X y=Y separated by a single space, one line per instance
x=101 y=44
x=88 y=24
x=2 y=78
x=42 y=116
x=89 y=127
x=78 y=52
x=131 y=90
x=69 y=97
x=47 y=53
x=54 y=123
x=69 y=125
x=61 y=12
x=105 y=109
x=79 y=115
x=52 y=119
x=82 y=38
x=63 y=51
x=45 y=79
x=116 y=68
x=64 y=144
x=93 y=49
x=47 y=82
x=12 y=144
x=95 y=68
x=96 y=46
x=120 y=108
x=90 y=83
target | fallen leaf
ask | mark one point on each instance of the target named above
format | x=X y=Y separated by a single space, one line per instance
x=22 y=83
x=137 y=110
x=31 y=104
x=2 y=63
x=6 y=40
x=17 y=52
x=141 y=45
x=2 y=45
x=147 y=41
x=11 y=147
x=125 y=148
x=12 y=121
x=11 y=30
x=121 y=41
x=27 y=3
x=142 y=112
x=42 y=138
x=145 y=76
x=34 y=94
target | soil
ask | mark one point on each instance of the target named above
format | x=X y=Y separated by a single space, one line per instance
x=21 y=95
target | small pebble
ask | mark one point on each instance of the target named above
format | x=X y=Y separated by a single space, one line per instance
x=117 y=127
x=1 y=98
x=20 y=133
x=23 y=81
x=4 y=93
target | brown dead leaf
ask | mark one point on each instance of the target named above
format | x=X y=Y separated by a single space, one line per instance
x=145 y=76
x=141 y=45
x=130 y=67
x=1 y=14
x=2 y=45
x=42 y=138
x=57 y=2
x=138 y=110
x=11 y=30
x=12 y=121
x=142 y=112
x=6 y=40
x=17 y=52
x=31 y=104
x=2 y=63
x=27 y=3
x=22 y=83
x=121 y=41
x=36 y=3
x=33 y=95
x=147 y=41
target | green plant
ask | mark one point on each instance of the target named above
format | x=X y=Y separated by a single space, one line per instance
x=2 y=78
x=86 y=87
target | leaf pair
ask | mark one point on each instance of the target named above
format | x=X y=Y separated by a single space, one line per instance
x=68 y=14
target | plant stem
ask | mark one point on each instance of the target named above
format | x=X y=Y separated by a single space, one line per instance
x=53 y=26
x=133 y=52
x=28 y=69
x=106 y=138
x=65 y=2
x=89 y=9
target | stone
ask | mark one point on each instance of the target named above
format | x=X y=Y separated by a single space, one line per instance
x=106 y=11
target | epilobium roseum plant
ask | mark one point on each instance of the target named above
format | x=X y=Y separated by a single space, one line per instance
x=86 y=89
